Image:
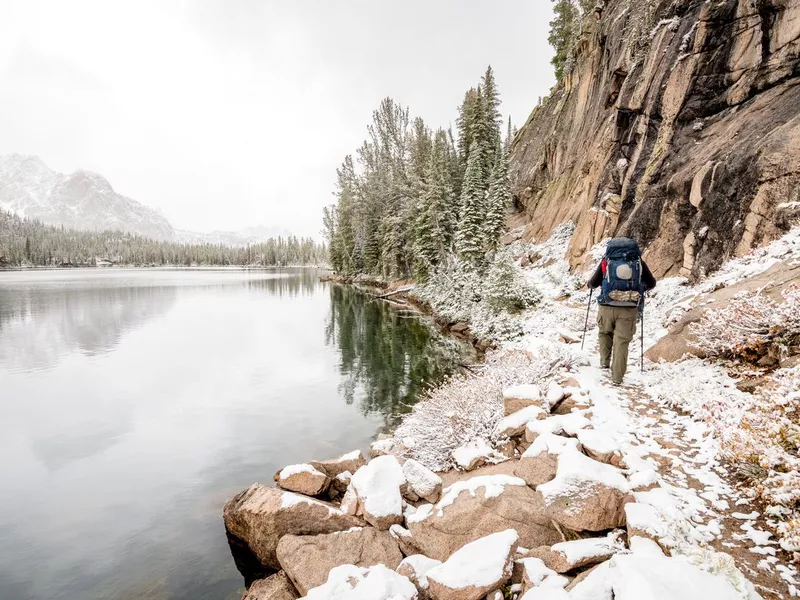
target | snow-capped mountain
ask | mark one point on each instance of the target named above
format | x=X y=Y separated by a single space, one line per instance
x=80 y=200
x=86 y=200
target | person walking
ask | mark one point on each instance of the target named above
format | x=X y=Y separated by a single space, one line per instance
x=623 y=278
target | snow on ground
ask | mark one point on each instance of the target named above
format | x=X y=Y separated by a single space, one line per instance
x=682 y=427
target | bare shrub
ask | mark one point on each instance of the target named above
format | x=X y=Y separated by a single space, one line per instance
x=468 y=408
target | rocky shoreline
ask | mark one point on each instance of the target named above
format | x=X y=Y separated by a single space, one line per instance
x=553 y=509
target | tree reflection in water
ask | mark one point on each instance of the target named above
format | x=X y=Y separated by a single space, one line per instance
x=387 y=356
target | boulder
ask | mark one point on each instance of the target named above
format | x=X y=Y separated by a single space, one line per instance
x=585 y=495
x=514 y=424
x=538 y=464
x=478 y=568
x=600 y=445
x=570 y=404
x=521 y=396
x=421 y=481
x=376 y=488
x=307 y=559
x=275 y=587
x=536 y=575
x=404 y=540
x=555 y=394
x=340 y=483
x=566 y=556
x=260 y=516
x=349 y=582
x=475 y=454
x=416 y=568
x=569 y=424
x=302 y=478
x=476 y=507
x=350 y=462
x=384 y=447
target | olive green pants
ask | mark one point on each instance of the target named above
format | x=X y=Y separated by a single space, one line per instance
x=616 y=325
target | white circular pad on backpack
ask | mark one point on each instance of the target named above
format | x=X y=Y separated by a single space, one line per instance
x=624 y=271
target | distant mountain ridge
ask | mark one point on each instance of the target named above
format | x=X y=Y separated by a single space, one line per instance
x=86 y=200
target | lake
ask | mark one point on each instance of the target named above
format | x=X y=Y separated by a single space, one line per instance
x=134 y=403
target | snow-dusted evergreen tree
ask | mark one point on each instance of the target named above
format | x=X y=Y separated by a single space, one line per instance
x=470 y=235
x=435 y=220
x=491 y=114
x=509 y=136
x=465 y=124
x=497 y=200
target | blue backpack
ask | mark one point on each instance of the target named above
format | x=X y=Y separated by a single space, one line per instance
x=622 y=274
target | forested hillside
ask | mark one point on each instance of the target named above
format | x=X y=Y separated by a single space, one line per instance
x=27 y=242
x=414 y=197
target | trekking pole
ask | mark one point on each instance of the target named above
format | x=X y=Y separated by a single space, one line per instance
x=641 y=337
x=586 y=323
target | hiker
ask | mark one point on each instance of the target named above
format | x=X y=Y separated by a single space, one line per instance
x=623 y=278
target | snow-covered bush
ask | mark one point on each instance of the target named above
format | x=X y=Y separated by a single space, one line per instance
x=464 y=409
x=758 y=432
x=489 y=303
x=750 y=326
x=506 y=287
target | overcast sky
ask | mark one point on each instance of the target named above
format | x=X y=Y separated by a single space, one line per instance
x=229 y=113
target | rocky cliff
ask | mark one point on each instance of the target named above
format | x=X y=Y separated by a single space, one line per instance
x=678 y=125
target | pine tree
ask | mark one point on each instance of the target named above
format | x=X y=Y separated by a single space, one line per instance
x=509 y=136
x=470 y=236
x=491 y=110
x=465 y=124
x=498 y=200
x=563 y=33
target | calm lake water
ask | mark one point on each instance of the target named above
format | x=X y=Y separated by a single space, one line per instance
x=133 y=403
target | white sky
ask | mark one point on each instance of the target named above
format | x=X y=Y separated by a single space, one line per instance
x=229 y=113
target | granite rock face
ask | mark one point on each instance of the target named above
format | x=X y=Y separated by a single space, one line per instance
x=678 y=125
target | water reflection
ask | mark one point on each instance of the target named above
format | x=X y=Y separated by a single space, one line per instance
x=387 y=356
x=134 y=403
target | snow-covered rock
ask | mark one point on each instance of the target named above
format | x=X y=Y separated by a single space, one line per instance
x=537 y=575
x=307 y=559
x=565 y=556
x=640 y=577
x=416 y=568
x=261 y=516
x=376 y=489
x=349 y=582
x=302 y=478
x=477 y=507
x=382 y=447
x=555 y=394
x=274 y=587
x=421 y=481
x=474 y=454
x=539 y=462
x=586 y=495
x=600 y=445
x=569 y=424
x=518 y=397
x=474 y=570
x=546 y=593
x=350 y=462
x=514 y=424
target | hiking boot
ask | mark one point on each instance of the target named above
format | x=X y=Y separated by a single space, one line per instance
x=616 y=382
x=605 y=367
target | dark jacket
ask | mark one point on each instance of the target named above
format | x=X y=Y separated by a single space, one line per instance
x=647 y=277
